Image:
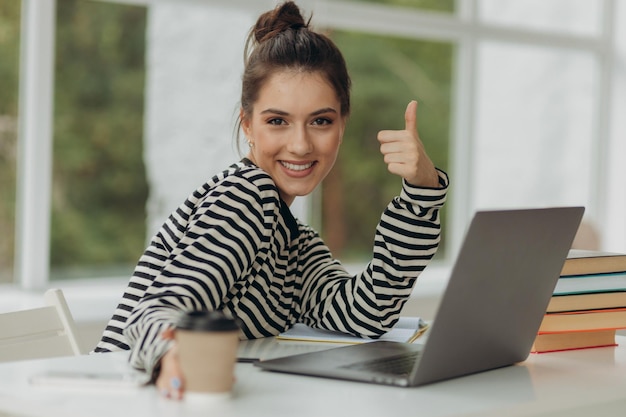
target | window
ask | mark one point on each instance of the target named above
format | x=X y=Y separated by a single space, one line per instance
x=536 y=103
x=99 y=186
x=541 y=108
x=516 y=102
x=553 y=16
x=387 y=72
x=432 y=5
x=87 y=191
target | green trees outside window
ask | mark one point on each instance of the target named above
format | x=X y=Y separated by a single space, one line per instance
x=99 y=183
x=9 y=82
x=387 y=73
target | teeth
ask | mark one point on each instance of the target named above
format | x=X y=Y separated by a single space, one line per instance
x=295 y=167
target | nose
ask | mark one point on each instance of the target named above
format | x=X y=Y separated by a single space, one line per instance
x=300 y=143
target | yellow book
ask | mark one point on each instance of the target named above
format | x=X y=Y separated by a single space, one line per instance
x=587 y=301
x=582 y=262
x=553 y=342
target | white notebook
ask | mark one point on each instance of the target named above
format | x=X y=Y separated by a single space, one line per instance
x=406 y=330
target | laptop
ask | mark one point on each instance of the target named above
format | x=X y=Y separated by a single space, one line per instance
x=489 y=314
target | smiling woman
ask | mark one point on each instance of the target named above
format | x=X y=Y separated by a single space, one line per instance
x=234 y=245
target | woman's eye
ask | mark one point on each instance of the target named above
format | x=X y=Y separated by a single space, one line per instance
x=321 y=121
x=276 y=122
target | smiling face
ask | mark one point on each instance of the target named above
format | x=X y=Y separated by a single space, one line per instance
x=295 y=130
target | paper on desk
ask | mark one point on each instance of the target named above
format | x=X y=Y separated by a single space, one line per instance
x=407 y=330
x=90 y=380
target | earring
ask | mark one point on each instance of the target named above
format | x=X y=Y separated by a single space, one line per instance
x=250 y=144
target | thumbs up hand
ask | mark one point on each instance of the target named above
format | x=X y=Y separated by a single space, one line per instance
x=404 y=152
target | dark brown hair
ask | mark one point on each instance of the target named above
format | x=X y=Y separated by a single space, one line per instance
x=282 y=40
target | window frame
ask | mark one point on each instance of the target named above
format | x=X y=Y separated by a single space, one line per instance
x=34 y=145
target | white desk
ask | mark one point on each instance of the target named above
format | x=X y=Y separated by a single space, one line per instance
x=576 y=383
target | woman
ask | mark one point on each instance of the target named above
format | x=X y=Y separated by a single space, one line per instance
x=234 y=245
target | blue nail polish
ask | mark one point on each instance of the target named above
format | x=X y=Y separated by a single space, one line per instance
x=175 y=383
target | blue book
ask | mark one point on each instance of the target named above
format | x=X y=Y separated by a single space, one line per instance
x=591 y=283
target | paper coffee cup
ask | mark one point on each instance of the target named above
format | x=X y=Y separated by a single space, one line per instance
x=207 y=349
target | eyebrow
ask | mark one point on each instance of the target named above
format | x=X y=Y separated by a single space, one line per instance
x=284 y=113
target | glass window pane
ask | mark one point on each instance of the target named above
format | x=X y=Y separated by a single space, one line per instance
x=99 y=184
x=580 y=17
x=431 y=5
x=9 y=90
x=387 y=73
x=534 y=126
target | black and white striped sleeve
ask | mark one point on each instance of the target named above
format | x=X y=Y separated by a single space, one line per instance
x=369 y=303
x=224 y=234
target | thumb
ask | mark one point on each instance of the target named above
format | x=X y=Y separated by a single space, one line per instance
x=410 y=116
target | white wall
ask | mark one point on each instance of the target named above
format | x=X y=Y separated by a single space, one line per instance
x=194 y=63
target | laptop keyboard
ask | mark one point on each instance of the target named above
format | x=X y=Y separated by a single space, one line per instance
x=395 y=365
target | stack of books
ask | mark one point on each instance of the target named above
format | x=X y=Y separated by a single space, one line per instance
x=588 y=304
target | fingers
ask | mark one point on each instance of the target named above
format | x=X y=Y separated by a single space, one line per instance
x=410 y=127
x=170 y=382
x=404 y=153
x=168 y=334
x=173 y=390
x=401 y=148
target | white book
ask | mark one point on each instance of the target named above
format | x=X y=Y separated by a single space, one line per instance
x=406 y=330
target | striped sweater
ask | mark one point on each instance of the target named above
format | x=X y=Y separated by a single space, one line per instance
x=234 y=246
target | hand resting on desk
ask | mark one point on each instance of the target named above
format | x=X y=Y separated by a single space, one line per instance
x=170 y=381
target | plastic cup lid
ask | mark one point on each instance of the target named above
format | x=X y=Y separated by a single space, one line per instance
x=206 y=321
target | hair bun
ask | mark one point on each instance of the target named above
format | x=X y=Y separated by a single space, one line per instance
x=284 y=17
